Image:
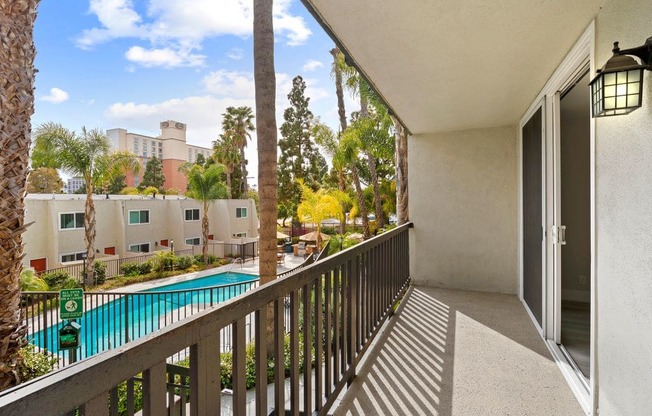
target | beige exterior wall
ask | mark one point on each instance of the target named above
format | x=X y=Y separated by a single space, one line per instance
x=623 y=148
x=463 y=202
x=45 y=239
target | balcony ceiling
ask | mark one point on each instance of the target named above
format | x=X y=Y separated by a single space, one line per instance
x=445 y=66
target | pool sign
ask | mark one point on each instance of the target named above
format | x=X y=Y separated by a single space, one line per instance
x=71 y=303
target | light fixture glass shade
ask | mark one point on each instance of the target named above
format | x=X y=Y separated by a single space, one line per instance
x=618 y=87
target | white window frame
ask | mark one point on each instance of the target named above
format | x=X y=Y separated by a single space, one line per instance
x=185 y=214
x=74 y=213
x=246 y=211
x=240 y=235
x=192 y=239
x=149 y=218
x=149 y=246
x=75 y=253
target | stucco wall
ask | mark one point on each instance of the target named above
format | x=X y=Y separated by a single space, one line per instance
x=463 y=203
x=624 y=228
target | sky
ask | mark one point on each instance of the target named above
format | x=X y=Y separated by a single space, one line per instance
x=134 y=63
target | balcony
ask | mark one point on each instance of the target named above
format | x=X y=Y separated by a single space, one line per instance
x=442 y=352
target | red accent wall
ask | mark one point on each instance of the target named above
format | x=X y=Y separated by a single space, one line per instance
x=174 y=178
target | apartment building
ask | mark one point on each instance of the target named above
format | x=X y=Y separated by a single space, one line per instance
x=128 y=225
x=170 y=147
x=74 y=184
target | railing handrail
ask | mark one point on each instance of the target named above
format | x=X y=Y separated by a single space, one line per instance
x=53 y=391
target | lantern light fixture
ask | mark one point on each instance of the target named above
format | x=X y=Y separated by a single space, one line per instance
x=618 y=87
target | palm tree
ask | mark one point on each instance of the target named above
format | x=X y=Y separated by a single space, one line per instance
x=238 y=124
x=17 y=97
x=338 y=63
x=350 y=152
x=317 y=206
x=402 y=194
x=87 y=156
x=205 y=185
x=226 y=152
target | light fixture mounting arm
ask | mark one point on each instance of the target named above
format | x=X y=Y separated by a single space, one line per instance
x=643 y=52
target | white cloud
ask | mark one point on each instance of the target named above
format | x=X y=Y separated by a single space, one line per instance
x=56 y=96
x=163 y=57
x=180 y=27
x=312 y=65
x=236 y=54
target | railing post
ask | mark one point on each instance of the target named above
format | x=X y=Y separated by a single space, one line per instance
x=279 y=355
x=261 y=360
x=239 y=358
x=205 y=376
x=97 y=406
x=154 y=390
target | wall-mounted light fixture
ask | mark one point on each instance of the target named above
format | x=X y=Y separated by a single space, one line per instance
x=618 y=87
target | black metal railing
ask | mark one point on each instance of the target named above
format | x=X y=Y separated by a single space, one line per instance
x=336 y=308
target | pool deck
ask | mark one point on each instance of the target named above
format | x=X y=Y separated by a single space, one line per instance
x=250 y=267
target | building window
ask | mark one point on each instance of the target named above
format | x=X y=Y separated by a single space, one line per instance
x=73 y=257
x=136 y=181
x=153 y=148
x=193 y=241
x=241 y=212
x=139 y=217
x=239 y=235
x=192 y=214
x=139 y=248
x=136 y=146
x=189 y=155
x=71 y=221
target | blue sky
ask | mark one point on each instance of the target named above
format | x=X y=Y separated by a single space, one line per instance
x=134 y=63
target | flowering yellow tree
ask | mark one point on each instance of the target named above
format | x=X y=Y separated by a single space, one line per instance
x=317 y=206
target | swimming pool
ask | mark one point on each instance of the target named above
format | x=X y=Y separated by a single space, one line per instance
x=112 y=319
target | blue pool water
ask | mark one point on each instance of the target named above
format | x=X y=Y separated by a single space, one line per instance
x=133 y=316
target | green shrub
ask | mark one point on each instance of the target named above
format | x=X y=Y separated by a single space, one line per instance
x=130 y=269
x=163 y=260
x=145 y=267
x=56 y=280
x=30 y=282
x=34 y=363
x=70 y=283
x=100 y=272
x=212 y=258
x=199 y=259
x=185 y=262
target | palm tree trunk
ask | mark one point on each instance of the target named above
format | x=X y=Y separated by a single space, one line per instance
x=401 y=172
x=265 y=81
x=17 y=98
x=339 y=91
x=361 y=203
x=378 y=203
x=243 y=182
x=342 y=186
x=228 y=183
x=89 y=229
x=204 y=233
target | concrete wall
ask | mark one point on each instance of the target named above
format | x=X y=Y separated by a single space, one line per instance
x=463 y=202
x=624 y=228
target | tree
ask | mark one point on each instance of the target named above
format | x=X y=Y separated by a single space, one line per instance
x=300 y=158
x=16 y=107
x=318 y=206
x=265 y=85
x=153 y=175
x=226 y=152
x=338 y=64
x=116 y=185
x=44 y=181
x=205 y=185
x=350 y=152
x=88 y=157
x=238 y=123
x=402 y=194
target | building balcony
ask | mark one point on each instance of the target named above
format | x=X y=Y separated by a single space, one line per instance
x=362 y=341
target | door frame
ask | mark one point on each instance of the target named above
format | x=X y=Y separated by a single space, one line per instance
x=576 y=61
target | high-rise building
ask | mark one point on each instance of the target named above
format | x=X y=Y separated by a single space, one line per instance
x=170 y=147
x=74 y=184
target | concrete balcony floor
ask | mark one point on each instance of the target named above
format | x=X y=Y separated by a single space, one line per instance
x=449 y=352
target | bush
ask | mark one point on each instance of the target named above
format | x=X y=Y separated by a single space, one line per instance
x=129 y=190
x=34 y=363
x=130 y=269
x=199 y=259
x=30 y=282
x=212 y=258
x=145 y=267
x=163 y=260
x=100 y=272
x=57 y=280
x=185 y=262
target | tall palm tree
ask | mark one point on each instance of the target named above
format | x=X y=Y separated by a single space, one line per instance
x=87 y=156
x=350 y=152
x=238 y=123
x=205 y=185
x=16 y=107
x=265 y=81
x=226 y=152
x=338 y=63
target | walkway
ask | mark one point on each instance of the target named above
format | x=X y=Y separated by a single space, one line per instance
x=457 y=353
